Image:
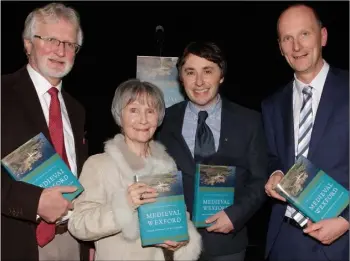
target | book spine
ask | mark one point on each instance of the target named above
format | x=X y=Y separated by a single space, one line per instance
x=195 y=198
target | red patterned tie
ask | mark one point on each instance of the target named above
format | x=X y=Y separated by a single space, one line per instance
x=45 y=232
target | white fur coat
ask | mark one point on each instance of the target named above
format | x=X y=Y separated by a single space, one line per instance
x=102 y=213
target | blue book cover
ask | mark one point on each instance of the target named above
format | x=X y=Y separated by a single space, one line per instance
x=36 y=162
x=312 y=191
x=166 y=218
x=214 y=190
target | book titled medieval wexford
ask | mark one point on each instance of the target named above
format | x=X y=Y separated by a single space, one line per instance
x=214 y=190
x=312 y=191
x=166 y=218
x=36 y=162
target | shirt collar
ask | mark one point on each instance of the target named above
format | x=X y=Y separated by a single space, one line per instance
x=317 y=83
x=211 y=110
x=40 y=83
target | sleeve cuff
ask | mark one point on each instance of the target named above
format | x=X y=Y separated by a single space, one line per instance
x=277 y=171
x=345 y=214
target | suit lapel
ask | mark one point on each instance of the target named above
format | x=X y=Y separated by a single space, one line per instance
x=30 y=102
x=227 y=128
x=286 y=113
x=324 y=111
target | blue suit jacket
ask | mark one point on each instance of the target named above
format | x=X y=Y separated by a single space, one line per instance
x=328 y=150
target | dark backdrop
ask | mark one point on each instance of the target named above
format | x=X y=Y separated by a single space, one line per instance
x=116 y=32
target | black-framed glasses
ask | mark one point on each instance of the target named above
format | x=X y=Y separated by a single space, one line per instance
x=53 y=42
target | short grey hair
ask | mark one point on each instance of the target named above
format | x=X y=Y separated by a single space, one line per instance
x=132 y=90
x=51 y=12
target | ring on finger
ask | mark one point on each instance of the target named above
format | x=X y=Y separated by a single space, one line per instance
x=141 y=196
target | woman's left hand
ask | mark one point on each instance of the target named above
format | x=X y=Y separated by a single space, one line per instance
x=172 y=245
x=139 y=193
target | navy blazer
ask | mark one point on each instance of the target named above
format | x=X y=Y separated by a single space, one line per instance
x=328 y=150
x=242 y=144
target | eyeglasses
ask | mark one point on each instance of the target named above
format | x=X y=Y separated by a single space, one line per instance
x=53 y=42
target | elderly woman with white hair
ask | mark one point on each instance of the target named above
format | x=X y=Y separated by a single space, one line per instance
x=106 y=211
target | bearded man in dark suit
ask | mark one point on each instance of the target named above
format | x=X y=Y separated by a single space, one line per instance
x=32 y=101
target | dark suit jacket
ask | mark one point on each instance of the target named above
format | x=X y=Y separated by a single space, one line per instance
x=242 y=144
x=328 y=150
x=21 y=119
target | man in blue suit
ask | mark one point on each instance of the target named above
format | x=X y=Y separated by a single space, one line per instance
x=310 y=117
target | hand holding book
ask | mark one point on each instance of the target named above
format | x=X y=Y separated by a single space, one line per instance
x=214 y=191
x=163 y=219
x=271 y=191
x=222 y=223
x=313 y=192
x=36 y=162
x=270 y=186
x=172 y=245
x=139 y=193
x=328 y=230
x=52 y=205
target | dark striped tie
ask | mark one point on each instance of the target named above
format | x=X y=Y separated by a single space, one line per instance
x=305 y=122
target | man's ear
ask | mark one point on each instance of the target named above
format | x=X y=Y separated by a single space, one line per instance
x=279 y=46
x=324 y=36
x=28 y=45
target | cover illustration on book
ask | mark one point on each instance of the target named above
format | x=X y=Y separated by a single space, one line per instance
x=166 y=218
x=162 y=72
x=312 y=191
x=214 y=191
x=36 y=162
